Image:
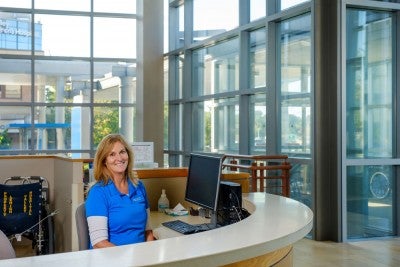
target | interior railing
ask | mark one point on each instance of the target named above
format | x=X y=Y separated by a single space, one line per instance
x=268 y=173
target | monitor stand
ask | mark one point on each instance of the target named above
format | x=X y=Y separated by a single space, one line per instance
x=213 y=222
x=213 y=218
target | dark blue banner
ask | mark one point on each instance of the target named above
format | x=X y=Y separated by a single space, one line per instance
x=20 y=207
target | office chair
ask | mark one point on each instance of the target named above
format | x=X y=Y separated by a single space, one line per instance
x=6 y=249
x=82 y=227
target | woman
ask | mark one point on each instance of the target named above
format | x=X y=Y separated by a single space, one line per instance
x=117 y=208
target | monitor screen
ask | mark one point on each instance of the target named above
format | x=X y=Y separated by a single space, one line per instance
x=203 y=180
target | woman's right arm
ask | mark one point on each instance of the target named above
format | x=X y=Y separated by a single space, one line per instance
x=98 y=231
x=96 y=212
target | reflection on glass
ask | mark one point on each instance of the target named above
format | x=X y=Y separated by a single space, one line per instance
x=258 y=58
x=295 y=56
x=284 y=4
x=370 y=201
x=15 y=84
x=16 y=33
x=301 y=184
x=257 y=9
x=15 y=131
x=216 y=126
x=64 y=35
x=258 y=118
x=115 y=6
x=114 y=37
x=73 y=5
x=62 y=81
x=212 y=17
x=369 y=104
x=216 y=68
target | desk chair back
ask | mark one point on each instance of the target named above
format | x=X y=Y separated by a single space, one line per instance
x=82 y=227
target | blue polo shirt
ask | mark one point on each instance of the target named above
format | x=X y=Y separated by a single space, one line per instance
x=126 y=214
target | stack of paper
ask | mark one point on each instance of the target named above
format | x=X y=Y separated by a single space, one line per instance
x=179 y=210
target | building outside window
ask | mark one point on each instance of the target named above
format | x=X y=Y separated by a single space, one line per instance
x=58 y=84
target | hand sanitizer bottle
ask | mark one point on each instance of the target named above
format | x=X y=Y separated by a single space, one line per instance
x=163 y=202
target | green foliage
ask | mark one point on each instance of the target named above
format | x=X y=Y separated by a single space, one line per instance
x=106 y=121
x=259 y=124
x=5 y=139
x=207 y=134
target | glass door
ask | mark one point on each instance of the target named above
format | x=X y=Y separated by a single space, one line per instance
x=369 y=124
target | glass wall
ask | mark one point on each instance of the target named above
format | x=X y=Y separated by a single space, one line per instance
x=284 y=4
x=215 y=68
x=248 y=89
x=257 y=9
x=369 y=94
x=222 y=84
x=258 y=119
x=294 y=77
x=73 y=74
x=370 y=123
x=216 y=126
x=213 y=91
x=214 y=17
x=258 y=59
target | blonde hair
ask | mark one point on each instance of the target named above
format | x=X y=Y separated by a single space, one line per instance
x=100 y=172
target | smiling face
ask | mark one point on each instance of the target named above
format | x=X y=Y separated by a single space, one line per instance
x=117 y=160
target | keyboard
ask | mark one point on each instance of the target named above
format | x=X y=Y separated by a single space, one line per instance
x=186 y=228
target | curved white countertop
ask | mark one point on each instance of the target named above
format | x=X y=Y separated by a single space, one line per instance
x=275 y=222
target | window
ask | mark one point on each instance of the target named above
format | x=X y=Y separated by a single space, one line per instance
x=257 y=9
x=369 y=85
x=215 y=68
x=370 y=133
x=76 y=72
x=12 y=92
x=295 y=73
x=215 y=126
x=258 y=66
x=285 y=4
x=214 y=17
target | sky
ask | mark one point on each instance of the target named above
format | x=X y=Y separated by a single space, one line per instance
x=70 y=37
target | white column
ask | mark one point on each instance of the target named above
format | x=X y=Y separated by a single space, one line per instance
x=150 y=76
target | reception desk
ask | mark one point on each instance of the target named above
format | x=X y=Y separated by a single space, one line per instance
x=264 y=238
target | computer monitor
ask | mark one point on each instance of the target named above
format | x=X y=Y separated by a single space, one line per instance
x=203 y=181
